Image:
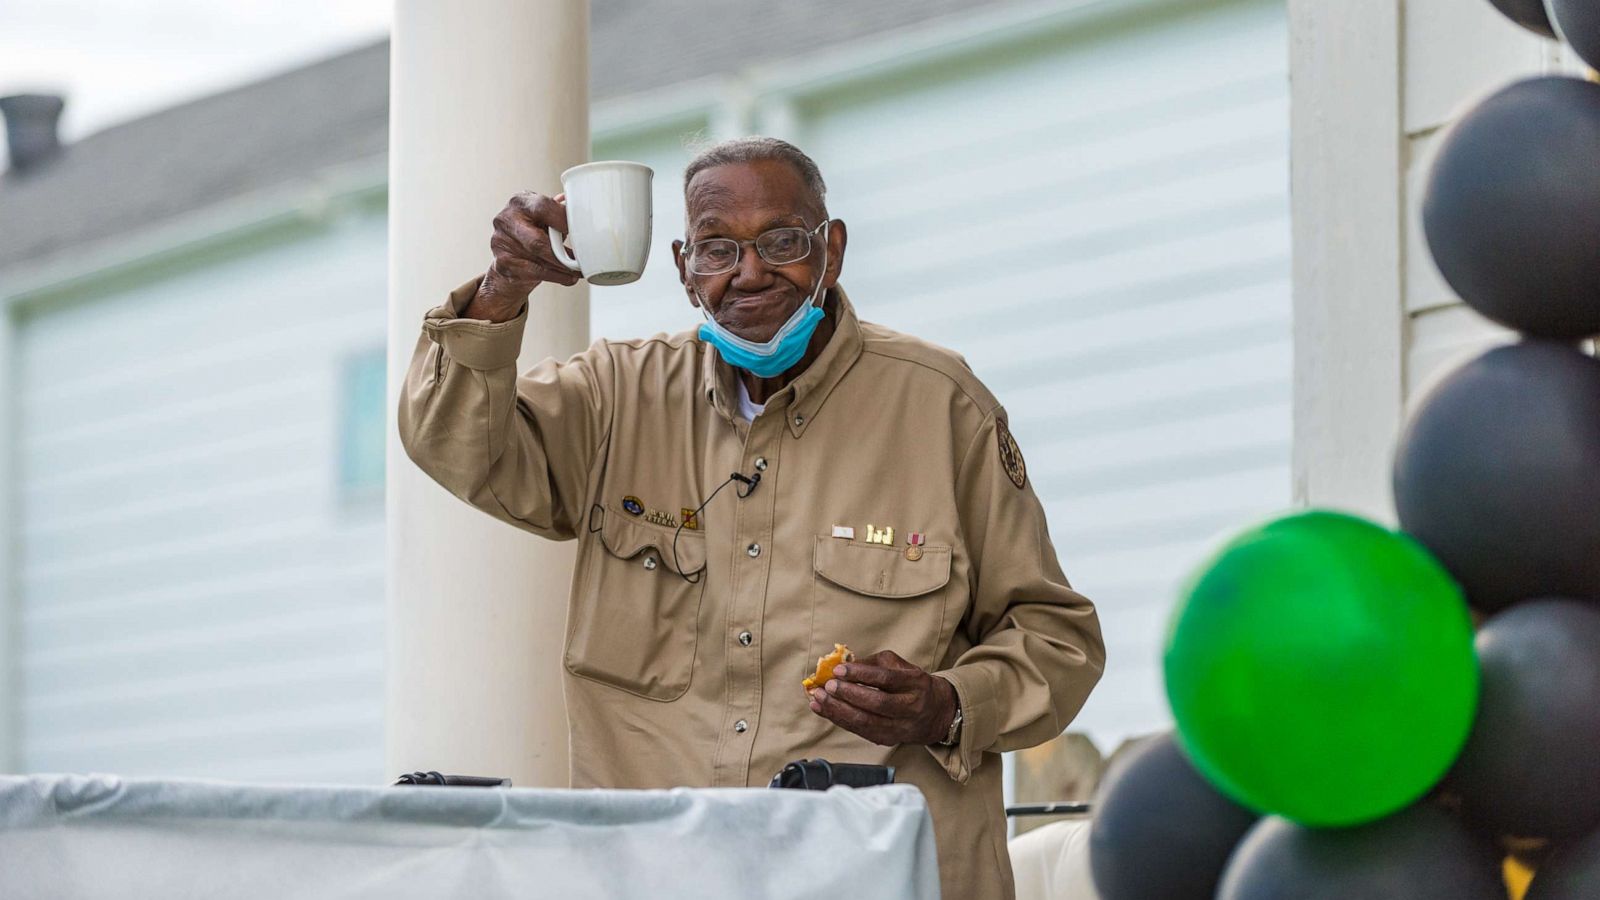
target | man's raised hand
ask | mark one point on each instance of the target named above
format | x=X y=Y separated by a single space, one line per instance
x=522 y=256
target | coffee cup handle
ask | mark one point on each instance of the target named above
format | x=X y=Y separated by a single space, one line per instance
x=557 y=247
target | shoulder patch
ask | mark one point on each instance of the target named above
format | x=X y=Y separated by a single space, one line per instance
x=1010 y=454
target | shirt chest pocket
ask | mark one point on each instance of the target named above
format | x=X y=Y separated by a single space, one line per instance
x=635 y=623
x=871 y=597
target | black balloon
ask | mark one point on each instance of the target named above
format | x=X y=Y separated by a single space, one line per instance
x=1512 y=207
x=1580 y=25
x=1529 y=14
x=1498 y=474
x=1420 y=853
x=1160 y=831
x=1571 y=873
x=1532 y=763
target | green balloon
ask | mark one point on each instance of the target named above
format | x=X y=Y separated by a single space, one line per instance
x=1321 y=668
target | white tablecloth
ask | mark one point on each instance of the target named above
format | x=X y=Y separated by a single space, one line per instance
x=100 y=836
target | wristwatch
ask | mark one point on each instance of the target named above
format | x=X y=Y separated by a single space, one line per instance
x=953 y=737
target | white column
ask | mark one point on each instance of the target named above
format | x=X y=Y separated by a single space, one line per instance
x=487 y=98
x=1346 y=200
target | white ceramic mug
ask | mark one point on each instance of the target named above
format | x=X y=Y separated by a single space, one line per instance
x=608 y=217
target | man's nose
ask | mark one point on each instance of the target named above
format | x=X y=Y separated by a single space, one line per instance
x=753 y=271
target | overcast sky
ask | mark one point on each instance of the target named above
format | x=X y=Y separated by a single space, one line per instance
x=118 y=59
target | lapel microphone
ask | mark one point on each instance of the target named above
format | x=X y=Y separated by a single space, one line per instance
x=750 y=483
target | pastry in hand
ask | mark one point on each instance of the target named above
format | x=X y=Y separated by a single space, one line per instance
x=825 y=665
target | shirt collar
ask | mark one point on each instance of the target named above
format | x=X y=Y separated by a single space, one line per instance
x=802 y=399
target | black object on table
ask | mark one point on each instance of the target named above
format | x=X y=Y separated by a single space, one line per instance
x=436 y=778
x=1047 y=809
x=819 y=775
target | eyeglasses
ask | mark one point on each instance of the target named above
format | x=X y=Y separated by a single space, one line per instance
x=780 y=247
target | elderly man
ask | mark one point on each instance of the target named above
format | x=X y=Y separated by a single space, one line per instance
x=879 y=501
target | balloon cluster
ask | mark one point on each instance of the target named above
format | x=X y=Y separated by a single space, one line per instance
x=1378 y=714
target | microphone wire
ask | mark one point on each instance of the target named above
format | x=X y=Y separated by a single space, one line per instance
x=750 y=481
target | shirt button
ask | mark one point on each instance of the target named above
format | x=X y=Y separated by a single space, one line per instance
x=761 y=464
x=741 y=726
x=799 y=420
x=754 y=550
x=649 y=562
x=745 y=638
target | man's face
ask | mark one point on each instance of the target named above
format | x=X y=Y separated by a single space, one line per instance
x=741 y=201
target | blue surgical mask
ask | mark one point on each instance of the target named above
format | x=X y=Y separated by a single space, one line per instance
x=768 y=359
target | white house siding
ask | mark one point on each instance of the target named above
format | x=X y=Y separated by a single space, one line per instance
x=200 y=594
x=1099 y=224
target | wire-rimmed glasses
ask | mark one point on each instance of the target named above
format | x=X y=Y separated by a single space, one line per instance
x=779 y=246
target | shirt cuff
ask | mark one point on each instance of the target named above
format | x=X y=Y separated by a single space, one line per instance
x=979 y=722
x=474 y=343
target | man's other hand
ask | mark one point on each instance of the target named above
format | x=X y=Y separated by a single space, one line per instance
x=887 y=700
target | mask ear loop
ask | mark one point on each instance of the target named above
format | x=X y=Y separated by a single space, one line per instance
x=827 y=226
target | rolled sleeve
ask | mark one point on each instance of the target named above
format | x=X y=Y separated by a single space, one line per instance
x=474 y=343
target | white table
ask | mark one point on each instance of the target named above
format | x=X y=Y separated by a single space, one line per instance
x=100 y=836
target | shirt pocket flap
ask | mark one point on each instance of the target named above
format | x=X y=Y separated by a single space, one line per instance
x=626 y=538
x=881 y=571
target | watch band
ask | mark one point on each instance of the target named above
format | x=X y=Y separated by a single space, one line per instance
x=953 y=736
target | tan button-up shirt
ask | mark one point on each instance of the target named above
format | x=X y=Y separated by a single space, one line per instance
x=686 y=647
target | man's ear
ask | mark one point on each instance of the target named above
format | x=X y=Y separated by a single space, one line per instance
x=838 y=238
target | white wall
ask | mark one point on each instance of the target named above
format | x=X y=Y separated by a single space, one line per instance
x=198 y=594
